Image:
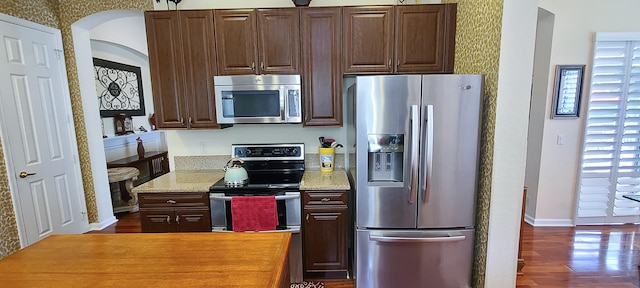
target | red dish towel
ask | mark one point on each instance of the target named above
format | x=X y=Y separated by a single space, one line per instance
x=253 y=213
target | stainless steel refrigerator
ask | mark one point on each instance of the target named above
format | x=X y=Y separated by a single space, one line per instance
x=416 y=153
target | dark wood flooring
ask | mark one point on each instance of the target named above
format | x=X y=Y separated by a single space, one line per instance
x=584 y=256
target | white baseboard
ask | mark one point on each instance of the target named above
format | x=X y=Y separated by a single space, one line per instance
x=103 y=224
x=548 y=222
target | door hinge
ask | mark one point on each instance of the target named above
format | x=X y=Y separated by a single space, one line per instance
x=58 y=53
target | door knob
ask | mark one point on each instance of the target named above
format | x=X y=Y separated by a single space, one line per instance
x=25 y=174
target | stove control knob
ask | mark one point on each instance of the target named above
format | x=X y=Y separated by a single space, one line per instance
x=293 y=152
x=248 y=152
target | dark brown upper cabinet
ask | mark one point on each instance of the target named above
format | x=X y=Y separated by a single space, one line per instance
x=182 y=64
x=399 y=39
x=320 y=34
x=258 y=41
x=425 y=38
x=368 y=39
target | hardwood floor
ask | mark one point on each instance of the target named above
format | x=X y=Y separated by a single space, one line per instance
x=584 y=256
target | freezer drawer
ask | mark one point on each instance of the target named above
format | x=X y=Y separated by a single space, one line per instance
x=434 y=258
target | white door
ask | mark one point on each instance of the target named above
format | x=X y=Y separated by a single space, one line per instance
x=38 y=133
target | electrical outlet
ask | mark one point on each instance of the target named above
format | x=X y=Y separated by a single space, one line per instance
x=203 y=148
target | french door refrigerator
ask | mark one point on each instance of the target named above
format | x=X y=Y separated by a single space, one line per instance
x=415 y=179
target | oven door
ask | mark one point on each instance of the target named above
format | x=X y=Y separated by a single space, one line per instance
x=288 y=207
x=294 y=218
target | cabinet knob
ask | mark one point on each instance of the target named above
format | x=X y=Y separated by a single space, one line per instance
x=171 y=201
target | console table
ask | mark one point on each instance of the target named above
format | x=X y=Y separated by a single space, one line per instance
x=152 y=165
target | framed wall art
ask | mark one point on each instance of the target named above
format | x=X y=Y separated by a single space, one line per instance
x=567 y=91
x=119 y=88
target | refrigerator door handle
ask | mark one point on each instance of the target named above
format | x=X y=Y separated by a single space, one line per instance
x=388 y=239
x=429 y=160
x=415 y=132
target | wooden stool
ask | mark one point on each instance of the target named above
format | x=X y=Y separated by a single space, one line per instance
x=124 y=176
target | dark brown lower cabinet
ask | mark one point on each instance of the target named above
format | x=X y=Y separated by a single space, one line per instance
x=174 y=212
x=325 y=234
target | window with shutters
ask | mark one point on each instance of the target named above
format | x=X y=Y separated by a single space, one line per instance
x=610 y=166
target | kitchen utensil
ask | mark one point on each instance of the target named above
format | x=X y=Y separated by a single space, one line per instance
x=235 y=175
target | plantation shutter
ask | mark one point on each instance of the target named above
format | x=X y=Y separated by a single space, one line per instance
x=610 y=164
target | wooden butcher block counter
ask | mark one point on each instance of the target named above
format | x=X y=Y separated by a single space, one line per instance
x=151 y=260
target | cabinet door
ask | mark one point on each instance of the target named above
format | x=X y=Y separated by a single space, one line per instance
x=279 y=41
x=235 y=32
x=425 y=38
x=325 y=239
x=167 y=71
x=368 y=39
x=158 y=221
x=198 y=43
x=321 y=68
x=193 y=220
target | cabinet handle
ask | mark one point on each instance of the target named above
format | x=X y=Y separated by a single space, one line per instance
x=307 y=217
x=325 y=199
x=171 y=201
x=262 y=66
x=389 y=64
x=253 y=65
x=182 y=121
x=168 y=220
x=177 y=219
x=398 y=63
x=190 y=121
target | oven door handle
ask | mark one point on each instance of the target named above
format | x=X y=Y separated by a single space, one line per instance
x=278 y=197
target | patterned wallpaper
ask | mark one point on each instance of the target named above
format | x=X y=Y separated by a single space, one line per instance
x=9 y=241
x=477 y=51
x=478 y=35
x=58 y=14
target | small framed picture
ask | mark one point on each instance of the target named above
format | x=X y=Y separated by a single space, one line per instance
x=123 y=124
x=567 y=92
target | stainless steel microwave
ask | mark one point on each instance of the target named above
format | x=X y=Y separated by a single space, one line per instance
x=258 y=99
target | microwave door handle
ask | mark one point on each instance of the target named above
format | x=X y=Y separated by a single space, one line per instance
x=283 y=108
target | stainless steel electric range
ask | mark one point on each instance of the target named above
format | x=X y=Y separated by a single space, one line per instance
x=273 y=169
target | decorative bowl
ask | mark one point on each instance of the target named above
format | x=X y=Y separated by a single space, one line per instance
x=301 y=2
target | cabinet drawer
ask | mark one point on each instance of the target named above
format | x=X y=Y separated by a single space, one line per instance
x=325 y=198
x=163 y=200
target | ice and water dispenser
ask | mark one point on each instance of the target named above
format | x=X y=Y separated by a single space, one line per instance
x=385 y=153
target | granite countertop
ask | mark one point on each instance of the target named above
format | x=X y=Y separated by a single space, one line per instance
x=316 y=180
x=201 y=180
x=181 y=181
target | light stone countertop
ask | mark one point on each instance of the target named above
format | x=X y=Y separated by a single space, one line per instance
x=316 y=180
x=201 y=180
x=181 y=181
